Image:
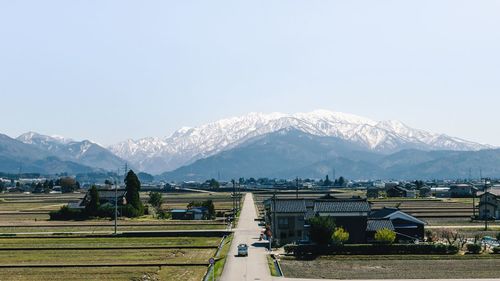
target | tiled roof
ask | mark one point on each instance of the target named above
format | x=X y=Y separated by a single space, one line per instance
x=107 y=194
x=289 y=206
x=341 y=206
x=384 y=212
x=494 y=191
x=375 y=225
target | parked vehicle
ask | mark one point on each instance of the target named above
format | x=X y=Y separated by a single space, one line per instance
x=243 y=250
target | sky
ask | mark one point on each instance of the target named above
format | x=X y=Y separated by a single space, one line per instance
x=113 y=70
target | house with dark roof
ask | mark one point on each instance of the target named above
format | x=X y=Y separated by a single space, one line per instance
x=287 y=219
x=407 y=227
x=351 y=214
x=489 y=204
x=106 y=196
x=399 y=191
x=354 y=215
x=462 y=191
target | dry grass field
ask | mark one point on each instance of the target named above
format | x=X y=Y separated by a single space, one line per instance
x=393 y=267
x=106 y=258
x=26 y=213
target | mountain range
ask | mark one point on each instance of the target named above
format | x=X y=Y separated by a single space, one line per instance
x=35 y=153
x=185 y=146
x=272 y=145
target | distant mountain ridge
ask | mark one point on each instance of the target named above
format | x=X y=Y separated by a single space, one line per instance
x=83 y=152
x=16 y=156
x=273 y=145
x=185 y=146
x=291 y=153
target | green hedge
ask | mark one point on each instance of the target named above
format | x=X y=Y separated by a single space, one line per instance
x=474 y=248
x=371 y=249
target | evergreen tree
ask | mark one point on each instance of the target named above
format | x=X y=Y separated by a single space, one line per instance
x=214 y=184
x=133 y=186
x=321 y=230
x=92 y=206
x=341 y=181
x=327 y=181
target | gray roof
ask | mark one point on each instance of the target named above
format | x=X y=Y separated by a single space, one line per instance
x=375 y=225
x=494 y=191
x=110 y=194
x=289 y=206
x=346 y=206
x=384 y=212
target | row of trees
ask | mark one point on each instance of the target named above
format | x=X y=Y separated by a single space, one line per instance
x=341 y=182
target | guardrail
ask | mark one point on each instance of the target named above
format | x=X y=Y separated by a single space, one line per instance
x=212 y=266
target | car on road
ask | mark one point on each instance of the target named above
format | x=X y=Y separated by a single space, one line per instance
x=243 y=250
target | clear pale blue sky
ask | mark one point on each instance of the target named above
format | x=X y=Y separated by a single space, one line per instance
x=110 y=70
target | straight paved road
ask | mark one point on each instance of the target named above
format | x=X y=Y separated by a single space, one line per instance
x=253 y=267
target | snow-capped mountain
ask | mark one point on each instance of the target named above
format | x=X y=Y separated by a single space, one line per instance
x=187 y=145
x=82 y=152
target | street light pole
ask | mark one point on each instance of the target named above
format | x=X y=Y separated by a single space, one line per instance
x=116 y=207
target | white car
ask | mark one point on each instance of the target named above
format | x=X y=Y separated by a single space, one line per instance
x=243 y=250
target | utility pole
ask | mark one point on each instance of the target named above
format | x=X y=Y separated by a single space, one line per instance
x=234 y=198
x=485 y=206
x=274 y=222
x=116 y=207
x=297 y=186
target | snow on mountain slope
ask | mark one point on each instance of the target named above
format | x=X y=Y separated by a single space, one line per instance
x=84 y=152
x=187 y=145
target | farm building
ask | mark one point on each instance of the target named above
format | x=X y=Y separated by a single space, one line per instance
x=406 y=226
x=462 y=191
x=197 y=213
x=106 y=196
x=489 y=204
x=399 y=191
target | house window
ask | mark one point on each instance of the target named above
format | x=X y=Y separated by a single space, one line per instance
x=283 y=222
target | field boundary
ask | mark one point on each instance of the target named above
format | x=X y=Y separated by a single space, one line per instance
x=103 y=265
x=107 y=248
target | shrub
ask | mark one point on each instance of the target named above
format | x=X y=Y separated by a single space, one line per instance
x=430 y=236
x=340 y=236
x=452 y=249
x=496 y=250
x=155 y=199
x=131 y=212
x=385 y=236
x=66 y=213
x=474 y=248
x=289 y=249
x=498 y=236
x=106 y=211
x=372 y=249
x=163 y=215
x=321 y=229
